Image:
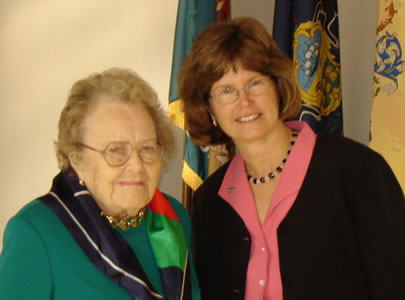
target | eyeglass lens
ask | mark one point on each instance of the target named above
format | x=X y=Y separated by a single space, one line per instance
x=255 y=87
x=118 y=153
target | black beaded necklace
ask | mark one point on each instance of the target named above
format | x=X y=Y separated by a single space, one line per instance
x=279 y=169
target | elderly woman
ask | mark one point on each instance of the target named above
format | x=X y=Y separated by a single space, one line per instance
x=293 y=215
x=104 y=231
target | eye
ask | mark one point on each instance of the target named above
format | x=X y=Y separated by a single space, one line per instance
x=114 y=149
x=117 y=150
x=257 y=86
x=227 y=91
x=148 y=146
x=150 y=151
x=223 y=92
x=255 y=82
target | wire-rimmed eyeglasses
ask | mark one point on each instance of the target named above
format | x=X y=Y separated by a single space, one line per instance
x=118 y=153
x=227 y=94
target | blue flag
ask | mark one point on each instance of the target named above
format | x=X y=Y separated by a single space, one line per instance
x=308 y=32
x=192 y=17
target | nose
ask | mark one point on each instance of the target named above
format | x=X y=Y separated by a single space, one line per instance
x=135 y=162
x=244 y=98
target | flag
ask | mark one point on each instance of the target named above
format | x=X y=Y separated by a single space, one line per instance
x=387 y=126
x=192 y=17
x=308 y=32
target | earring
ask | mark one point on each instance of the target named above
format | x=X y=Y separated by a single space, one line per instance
x=213 y=120
x=81 y=182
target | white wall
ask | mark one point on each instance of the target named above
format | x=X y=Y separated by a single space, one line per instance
x=47 y=45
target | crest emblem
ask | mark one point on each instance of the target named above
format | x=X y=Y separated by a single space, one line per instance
x=389 y=63
x=318 y=76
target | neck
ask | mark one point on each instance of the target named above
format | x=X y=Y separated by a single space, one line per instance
x=260 y=156
x=127 y=221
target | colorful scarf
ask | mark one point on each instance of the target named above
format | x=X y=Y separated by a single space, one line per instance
x=109 y=251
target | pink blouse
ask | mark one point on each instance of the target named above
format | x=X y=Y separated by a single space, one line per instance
x=263 y=279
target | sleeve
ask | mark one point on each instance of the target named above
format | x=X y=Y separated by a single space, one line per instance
x=378 y=205
x=185 y=221
x=24 y=266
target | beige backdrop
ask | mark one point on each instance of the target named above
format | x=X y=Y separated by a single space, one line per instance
x=46 y=45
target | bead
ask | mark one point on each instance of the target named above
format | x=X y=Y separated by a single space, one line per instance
x=279 y=169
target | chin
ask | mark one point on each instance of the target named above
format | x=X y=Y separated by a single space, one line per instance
x=131 y=205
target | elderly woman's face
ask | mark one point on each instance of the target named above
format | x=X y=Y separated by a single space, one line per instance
x=120 y=190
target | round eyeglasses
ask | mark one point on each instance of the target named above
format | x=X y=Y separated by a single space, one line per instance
x=118 y=153
x=255 y=87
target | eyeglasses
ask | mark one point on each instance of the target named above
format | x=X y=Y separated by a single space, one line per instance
x=255 y=87
x=118 y=153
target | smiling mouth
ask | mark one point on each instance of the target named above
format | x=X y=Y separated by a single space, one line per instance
x=248 y=118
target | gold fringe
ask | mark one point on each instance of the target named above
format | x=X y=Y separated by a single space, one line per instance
x=176 y=113
x=190 y=177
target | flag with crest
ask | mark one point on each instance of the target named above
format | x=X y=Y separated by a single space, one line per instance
x=387 y=126
x=308 y=32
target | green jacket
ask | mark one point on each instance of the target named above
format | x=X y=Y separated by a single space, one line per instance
x=41 y=260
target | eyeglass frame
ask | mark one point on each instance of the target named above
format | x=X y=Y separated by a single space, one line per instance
x=237 y=94
x=103 y=152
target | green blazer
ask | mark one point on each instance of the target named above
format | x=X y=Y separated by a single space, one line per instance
x=41 y=260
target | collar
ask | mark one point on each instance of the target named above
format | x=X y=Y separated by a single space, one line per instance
x=235 y=188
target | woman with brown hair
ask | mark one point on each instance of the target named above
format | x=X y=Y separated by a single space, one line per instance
x=293 y=215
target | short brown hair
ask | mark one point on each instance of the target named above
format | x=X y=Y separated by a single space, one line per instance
x=219 y=48
x=121 y=85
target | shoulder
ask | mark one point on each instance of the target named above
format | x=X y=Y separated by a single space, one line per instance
x=206 y=196
x=212 y=184
x=339 y=143
x=34 y=223
x=183 y=215
x=206 y=202
x=35 y=213
x=177 y=206
x=24 y=248
x=26 y=225
x=180 y=210
x=355 y=162
x=346 y=152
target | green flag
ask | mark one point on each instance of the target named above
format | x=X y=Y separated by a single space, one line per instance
x=192 y=17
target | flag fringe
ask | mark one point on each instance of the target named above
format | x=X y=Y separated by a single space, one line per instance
x=190 y=177
x=176 y=113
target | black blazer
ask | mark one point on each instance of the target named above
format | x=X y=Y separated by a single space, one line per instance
x=343 y=238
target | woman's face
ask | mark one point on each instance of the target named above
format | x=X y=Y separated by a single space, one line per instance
x=253 y=115
x=125 y=189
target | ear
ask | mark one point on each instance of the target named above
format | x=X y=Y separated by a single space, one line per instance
x=76 y=161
